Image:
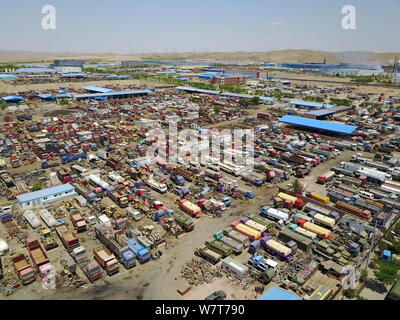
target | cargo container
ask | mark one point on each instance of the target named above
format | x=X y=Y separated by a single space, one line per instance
x=106 y=260
x=365 y=214
x=23 y=269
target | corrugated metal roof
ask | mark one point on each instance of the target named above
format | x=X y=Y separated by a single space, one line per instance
x=12 y=98
x=97 y=89
x=276 y=293
x=108 y=94
x=7 y=76
x=311 y=104
x=45 y=96
x=45 y=192
x=226 y=94
x=35 y=70
x=318 y=124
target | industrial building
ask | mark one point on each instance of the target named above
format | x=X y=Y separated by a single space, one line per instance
x=227 y=80
x=38 y=198
x=311 y=105
x=323 y=113
x=318 y=125
x=111 y=95
x=68 y=63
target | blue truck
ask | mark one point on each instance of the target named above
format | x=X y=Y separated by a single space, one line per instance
x=123 y=253
x=141 y=253
x=68 y=158
x=178 y=180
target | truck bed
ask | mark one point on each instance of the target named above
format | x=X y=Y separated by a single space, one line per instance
x=39 y=256
x=20 y=265
x=103 y=255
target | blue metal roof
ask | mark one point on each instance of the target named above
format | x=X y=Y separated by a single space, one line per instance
x=109 y=94
x=276 y=293
x=226 y=94
x=7 y=76
x=71 y=75
x=35 y=70
x=30 y=196
x=45 y=96
x=12 y=99
x=311 y=104
x=318 y=124
x=97 y=89
x=64 y=95
x=322 y=112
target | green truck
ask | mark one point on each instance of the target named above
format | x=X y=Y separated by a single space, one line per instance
x=208 y=255
x=219 y=247
x=185 y=222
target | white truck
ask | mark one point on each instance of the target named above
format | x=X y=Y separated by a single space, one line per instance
x=275 y=214
x=230 y=168
x=47 y=217
x=157 y=186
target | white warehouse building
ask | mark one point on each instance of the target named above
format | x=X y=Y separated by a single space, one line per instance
x=39 y=198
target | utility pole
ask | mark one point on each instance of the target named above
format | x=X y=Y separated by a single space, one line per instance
x=372 y=244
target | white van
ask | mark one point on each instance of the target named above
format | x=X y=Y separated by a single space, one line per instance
x=366 y=195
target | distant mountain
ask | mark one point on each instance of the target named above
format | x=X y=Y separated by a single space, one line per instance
x=295 y=56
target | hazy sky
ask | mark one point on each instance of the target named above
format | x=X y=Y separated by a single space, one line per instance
x=133 y=26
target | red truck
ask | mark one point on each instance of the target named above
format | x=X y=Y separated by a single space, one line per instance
x=184 y=173
x=190 y=208
x=39 y=257
x=23 y=269
x=116 y=165
x=78 y=221
x=365 y=214
x=327 y=176
x=119 y=199
x=67 y=237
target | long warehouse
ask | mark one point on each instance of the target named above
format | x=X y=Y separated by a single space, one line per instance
x=318 y=125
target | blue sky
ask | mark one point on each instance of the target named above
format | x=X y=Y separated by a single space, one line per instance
x=134 y=26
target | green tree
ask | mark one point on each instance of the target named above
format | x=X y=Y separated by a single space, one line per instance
x=387 y=273
x=63 y=102
x=37 y=185
x=297 y=186
x=202 y=112
x=217 y=109
x=349 y=293
x=255 y=100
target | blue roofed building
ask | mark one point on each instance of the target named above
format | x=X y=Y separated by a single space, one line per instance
x=111 y=95
x=276 y=293
x=13 y=99
x=39 y=198
x=97 y=89
x=311 y=105
x=318 y=125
